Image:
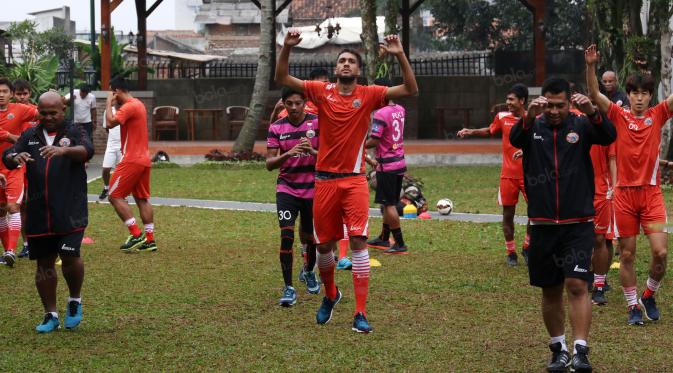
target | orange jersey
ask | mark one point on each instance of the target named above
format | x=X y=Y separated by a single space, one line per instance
x=600 y=156
x=310 y=108
x=344 y=123
x=503 y=122
x=637 y=145
x=15 y=120
x=133 y=119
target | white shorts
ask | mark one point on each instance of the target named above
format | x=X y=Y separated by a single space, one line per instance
x=112 y=157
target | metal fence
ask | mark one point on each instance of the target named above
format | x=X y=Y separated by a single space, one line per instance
x=464 y=65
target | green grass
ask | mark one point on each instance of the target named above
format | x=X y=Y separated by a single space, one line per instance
x=207 y=301
x=472 y=188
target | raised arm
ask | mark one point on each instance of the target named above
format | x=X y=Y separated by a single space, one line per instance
x=591 y=57
x=479 y=132
x=110 y=120
x=409 y=86
x=282 y=75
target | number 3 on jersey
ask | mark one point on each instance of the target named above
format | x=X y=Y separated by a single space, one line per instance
x=396 y=130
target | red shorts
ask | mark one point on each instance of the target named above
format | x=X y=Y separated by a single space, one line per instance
x=636 y=207
x=338 y=202
x=508 y=194
x=13 y=191
x=130 y=178
x=604 y=218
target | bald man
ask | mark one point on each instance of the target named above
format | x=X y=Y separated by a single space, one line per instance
x=53 y=154
x=612 y=90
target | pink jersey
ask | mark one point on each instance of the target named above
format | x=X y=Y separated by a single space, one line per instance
x=388 y=127
x=296 y=175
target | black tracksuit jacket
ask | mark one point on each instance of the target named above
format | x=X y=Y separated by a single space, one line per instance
x=56 y=203
x=558 y=173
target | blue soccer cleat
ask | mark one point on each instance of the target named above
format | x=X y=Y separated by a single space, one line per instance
x=360 y=324
x=289 y=297
x=49 y=324
x=324 y=314
x=635 y=315
x=312 y=284
x=649 y=305
x=73 y=315
x=344 y=264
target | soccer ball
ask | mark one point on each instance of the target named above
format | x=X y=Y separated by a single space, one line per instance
x=444 y=206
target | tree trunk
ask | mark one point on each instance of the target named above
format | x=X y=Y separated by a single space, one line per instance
x=392 y=10
x=665 y=74
x=370 y=39
x=245 y=142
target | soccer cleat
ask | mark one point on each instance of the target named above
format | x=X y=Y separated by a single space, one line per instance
x=580 y=362
x=324 y=314
x=635 y=315
x=73 y=315
x=598 y=297
x=512 y=260
x=301 y=275
x=649 y=305
x=148 y=246
x=559 y=359
x=10 y=258
x=312 y=282
x=24 y=252
x=49 y=324
x=2 y=261
x=345 y=264
x=132 y=243
x=103 y=195
x=524 y=254
x=378 y=243
x=397 y=250
x=360 y=324
x=289 y=297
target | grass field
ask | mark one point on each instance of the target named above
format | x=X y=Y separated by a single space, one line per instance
x=472 y=189
x=207 y=301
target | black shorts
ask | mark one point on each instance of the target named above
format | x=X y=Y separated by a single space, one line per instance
x=558 y=252
x=290 y=207
x=388 y=188
x=63 y=245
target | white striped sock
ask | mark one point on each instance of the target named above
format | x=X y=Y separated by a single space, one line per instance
x=325 y=261
x=15 y=221
x=652 y=284
x=360 y=259
x=631 y=295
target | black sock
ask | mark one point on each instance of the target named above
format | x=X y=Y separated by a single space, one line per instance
x=286 y=243
x=397 y=235
x=385 y=233
x=310 y=256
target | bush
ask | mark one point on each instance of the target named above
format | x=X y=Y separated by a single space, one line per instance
x=216 y=155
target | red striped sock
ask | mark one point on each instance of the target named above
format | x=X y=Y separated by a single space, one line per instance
x=326 y=268
x=360 y=279
x=14 y=231
x=4 y=231
x=510 y=246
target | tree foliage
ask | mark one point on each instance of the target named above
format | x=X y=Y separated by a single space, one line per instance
x=504 y=24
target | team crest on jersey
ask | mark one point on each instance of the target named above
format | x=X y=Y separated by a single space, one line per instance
x=648 y=121
x=572 y=137
x=10 y=116
x=357 y=103
x=329 y=86
x=375 y=127
x=64 y=142
x=310 y=134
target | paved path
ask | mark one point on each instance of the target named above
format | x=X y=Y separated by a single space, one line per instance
x=94 y=173
x=271 y=207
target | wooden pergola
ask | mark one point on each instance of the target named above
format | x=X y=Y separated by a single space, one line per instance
x=108 y=6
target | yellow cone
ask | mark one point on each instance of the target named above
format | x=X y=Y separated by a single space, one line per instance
x=614 y=265
x=374 y=263
x=59 y=262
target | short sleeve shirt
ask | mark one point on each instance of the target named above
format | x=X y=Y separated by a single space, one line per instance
x=344 y=123
x=637 y=145
x=503 y=122
x=133 y=119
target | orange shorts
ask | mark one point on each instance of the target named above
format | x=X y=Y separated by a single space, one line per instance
x=508 y=194
x=636 y=207
x=13 y=191
x=130 y=178
x=338 y=202
x=604 y=218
